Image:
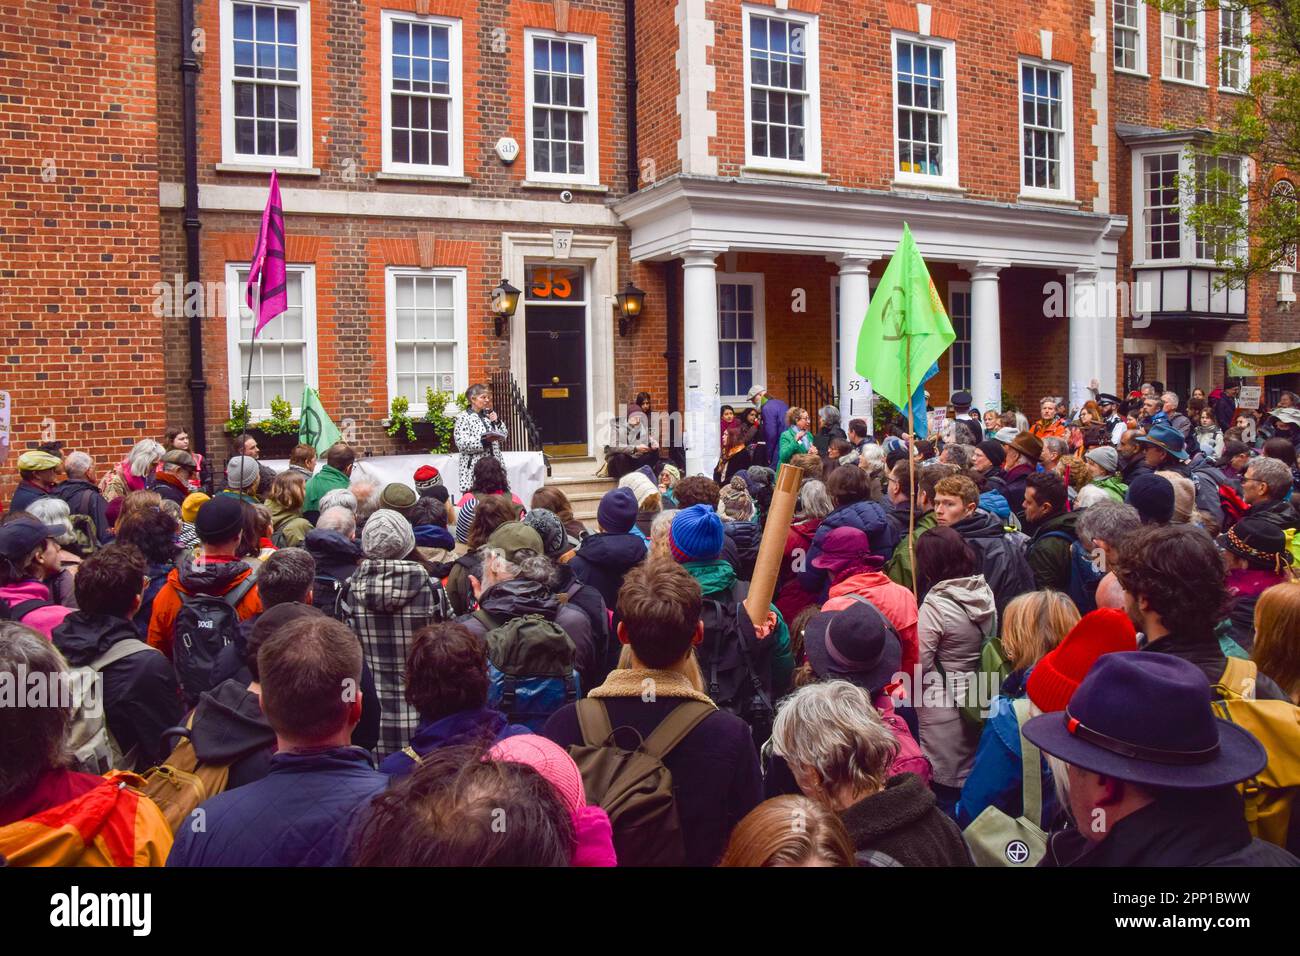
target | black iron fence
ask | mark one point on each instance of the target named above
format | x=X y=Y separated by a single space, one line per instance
x=807 y=389
x=508 y=401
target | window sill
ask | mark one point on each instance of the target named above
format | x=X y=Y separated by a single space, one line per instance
x=572 y=187
x=913 y=185
x=1286 y=297
x=1138 y=74
x=1233 y=91
x=260 y=169
x=783 y=175
x=1035 y=199
x=1177 y=82
x=431 y=178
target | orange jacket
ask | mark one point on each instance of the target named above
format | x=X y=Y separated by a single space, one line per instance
x=1053 y=429
x=217 y=576
x=109 y=825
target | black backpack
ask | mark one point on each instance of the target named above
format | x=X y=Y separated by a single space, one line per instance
x=326 y=590
x=737 y=666
x=204 y=625
x=16 y=612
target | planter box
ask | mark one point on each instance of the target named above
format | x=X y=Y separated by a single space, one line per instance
x=274 y=446
x=426 y=436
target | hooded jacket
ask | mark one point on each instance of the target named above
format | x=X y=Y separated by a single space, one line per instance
x=217 y=576
x=83 y=498
x=25 y=494
x=325 y=480
x=518 y=597
x=999 y=558
x=899 y=566
x=230 y=728
x=290 y=525
x=869 y=518
x=463 y=727
x=43 y=619
x=955 y=618
x=1113 y=485
x=76 y=819
x=1280 y=514
x=171 y=488
x=1246 y=585
x=903 y=821
x=299 y=814
x=1182 y=828
x=388 y=601
x=336 y=556
x=140 y=693
x=604 y=559
x=747 y=535
x=1049 y=551
x=996 y=777
x=1015 y=485
x=894 y=601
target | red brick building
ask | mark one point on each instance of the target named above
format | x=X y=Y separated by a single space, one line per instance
x=429 y=149
x=79 y=230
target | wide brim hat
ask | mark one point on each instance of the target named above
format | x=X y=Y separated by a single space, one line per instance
x=1287 y=414
x=1028 y=444
x=1145 y=718
x=834 y=639
x=1166 y=438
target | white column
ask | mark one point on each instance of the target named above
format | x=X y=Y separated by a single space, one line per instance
x=855 y=293
x=1084 y=327
x=700 y=360
x=1108 y=358
x=985 y=337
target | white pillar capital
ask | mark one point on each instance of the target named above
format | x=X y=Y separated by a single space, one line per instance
x=694 y=258
x=853 y=262
x=984 y=271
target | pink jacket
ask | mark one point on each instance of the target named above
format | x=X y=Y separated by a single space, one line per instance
x=910 y=759
x=44 y=619
x=892 y=600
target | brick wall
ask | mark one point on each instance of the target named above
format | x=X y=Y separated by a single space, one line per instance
x=79 y=230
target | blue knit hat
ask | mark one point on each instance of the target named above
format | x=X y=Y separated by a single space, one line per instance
x=695 y=534
x=617 y=511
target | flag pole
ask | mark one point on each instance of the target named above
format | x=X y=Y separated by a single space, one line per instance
x=257 y=312
x=911 y=468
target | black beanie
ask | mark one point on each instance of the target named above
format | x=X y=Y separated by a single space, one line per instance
x=993 y=452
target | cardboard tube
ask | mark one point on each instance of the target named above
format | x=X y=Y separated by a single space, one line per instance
x=771 y=549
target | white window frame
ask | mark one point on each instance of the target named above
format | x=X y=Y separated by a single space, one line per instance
x=950 y=177
x=591 y=125
x=1167 y=19
x=1244 y=50
x=1140 y=67
x=756 y=280
x=1066 y=190
x=228 y=153
x=812 y=142
x=1187 y=234
x=235 y=370
x=961 y=288
x=460 y=307
x=455 y=115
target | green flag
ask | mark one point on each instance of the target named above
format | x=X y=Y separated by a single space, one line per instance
x=316 y=427
x=906 y=328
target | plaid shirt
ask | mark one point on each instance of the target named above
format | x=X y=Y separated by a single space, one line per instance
x=388 y=601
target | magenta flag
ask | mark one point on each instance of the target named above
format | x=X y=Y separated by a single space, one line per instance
x=268 y=262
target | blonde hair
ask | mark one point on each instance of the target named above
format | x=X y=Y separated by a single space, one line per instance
x=1033 y=624
x=1277 y=636
x=659 y=530
x=790 y=830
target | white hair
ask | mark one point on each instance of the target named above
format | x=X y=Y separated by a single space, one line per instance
x=54 y=511
x=339 y=519
x=814 y=501
x=873 y=455
x=834 y=730
x=144 y=456
x=338 y=498
x=77 y=464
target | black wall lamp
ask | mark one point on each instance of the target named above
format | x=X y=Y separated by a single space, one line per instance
x=630 y=302
x=505 y=299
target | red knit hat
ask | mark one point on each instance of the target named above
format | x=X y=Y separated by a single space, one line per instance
x=1057 y=676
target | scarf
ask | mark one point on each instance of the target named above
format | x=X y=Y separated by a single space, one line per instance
x=631 y=683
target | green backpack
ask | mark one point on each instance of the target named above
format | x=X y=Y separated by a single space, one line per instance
x=993 y=670
x=997 y=840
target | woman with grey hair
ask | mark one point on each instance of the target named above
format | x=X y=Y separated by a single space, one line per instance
x=54 y=511
x=840 y=751
x=478 y=432
x=135 y=472
x=338 y=498
x=828 y=429
x=113 y=824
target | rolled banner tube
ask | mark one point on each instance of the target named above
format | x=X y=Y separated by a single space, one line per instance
x=771 y=549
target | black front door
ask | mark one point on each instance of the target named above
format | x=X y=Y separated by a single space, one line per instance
x=556 y=351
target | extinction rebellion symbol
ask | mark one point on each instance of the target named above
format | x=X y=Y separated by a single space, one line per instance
x=1017 y=851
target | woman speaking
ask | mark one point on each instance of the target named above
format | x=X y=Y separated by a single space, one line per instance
x=478 y=433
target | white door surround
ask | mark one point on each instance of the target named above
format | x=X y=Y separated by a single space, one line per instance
x=599 y=255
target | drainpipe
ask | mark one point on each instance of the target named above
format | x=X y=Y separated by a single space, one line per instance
x=189 y=137
x=629 y=54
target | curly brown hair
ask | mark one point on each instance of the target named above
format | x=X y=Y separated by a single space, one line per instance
x=446 y=671
x=1177 y=569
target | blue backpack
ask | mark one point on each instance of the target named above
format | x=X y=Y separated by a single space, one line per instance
x=530 y=668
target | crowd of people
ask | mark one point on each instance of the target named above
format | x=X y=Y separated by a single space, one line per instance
x=1067 y=642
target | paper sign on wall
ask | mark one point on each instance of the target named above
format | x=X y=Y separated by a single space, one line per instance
x=1250 y=396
